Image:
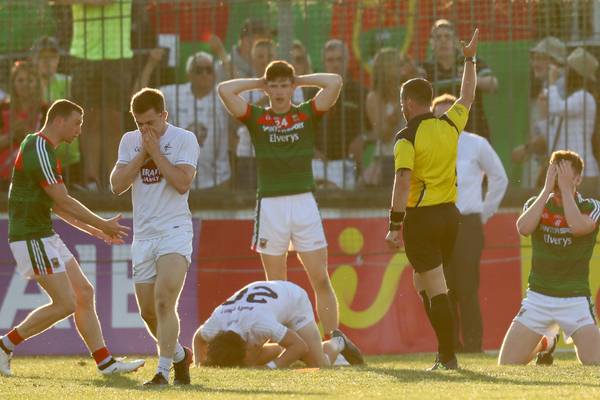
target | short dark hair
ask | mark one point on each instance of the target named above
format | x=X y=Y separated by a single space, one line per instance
x=419 y=90
x=147 y=99
x=227 y=349
x=567 y=155
x=445 y=98
x=62 y=108
x=279 y=69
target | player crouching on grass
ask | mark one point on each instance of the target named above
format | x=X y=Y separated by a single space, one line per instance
x=271 y=324
x=563 y=227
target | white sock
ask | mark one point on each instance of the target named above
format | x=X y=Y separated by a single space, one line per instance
x=164 y=366
x=179 y=353
x=339 y=343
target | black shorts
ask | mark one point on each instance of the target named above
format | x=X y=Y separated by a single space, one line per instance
x=429 y=234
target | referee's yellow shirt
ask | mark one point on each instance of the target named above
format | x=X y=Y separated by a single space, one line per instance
x=428 y=146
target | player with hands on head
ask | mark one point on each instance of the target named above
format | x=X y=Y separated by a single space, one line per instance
x=283 y=134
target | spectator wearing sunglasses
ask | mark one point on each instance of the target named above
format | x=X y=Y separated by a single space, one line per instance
x=194 y=105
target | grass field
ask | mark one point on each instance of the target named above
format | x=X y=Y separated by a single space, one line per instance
x=390 y=377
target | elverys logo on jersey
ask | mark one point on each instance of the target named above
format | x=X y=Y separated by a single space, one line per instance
x=282 y=129
x=150 y=173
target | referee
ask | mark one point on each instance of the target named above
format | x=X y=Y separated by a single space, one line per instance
x=425 y=192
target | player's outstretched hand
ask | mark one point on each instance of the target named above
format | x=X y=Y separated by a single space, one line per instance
x=109 y=240
x=114 y=229
x=470 y=50
x=393 y=240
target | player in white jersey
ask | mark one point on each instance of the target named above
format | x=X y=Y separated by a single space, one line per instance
x=158 y=161
x=268 y=323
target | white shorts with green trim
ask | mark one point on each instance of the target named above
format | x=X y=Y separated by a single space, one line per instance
x=145 y=253
x=39 y=257
x=285 y=223
x=545 y=315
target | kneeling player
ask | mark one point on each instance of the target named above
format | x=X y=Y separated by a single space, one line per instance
x=564 y=226
x=238 y=332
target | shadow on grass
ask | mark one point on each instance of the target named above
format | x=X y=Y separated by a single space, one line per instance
x=464 y=375
x=124 y=382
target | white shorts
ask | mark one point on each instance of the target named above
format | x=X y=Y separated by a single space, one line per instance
x=145 y=253
x=39 y=257
x=300 y=307
x=546 y=314
x=285 y=223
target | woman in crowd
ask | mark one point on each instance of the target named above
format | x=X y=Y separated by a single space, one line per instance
x=22 y=112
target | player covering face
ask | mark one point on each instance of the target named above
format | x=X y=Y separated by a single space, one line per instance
x=563 y=226
x=268 y=323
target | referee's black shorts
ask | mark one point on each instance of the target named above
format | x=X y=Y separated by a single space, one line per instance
x=429 y=234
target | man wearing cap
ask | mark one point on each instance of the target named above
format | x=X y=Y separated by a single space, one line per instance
x=548 y=56
x=45 y=55
x=568 y=121
x=194 y=105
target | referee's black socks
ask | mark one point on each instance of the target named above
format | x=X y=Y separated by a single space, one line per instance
x=442 y=321
x=426 y=303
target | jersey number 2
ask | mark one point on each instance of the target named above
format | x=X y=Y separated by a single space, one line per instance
x=259 y=294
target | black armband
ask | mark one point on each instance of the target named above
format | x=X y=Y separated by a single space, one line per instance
x=396 y=219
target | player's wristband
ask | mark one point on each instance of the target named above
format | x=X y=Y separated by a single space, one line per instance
x=471 y=59
x=396 y=219
x=271 y=365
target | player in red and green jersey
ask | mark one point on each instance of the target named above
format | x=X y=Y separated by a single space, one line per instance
x=563 y=227
x=37 y=189
x=283 y=135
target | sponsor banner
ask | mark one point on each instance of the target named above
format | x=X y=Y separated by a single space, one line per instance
x=379 y=308
x=109 y=270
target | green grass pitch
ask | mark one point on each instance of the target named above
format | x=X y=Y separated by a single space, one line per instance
x=388 y=377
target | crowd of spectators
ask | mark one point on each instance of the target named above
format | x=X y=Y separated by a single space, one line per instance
x=99 y=66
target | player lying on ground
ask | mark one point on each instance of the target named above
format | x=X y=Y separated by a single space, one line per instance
x=563 y=226
x=268 y=323
x=36 y=188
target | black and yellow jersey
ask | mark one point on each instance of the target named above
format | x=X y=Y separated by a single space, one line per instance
x=428 y=147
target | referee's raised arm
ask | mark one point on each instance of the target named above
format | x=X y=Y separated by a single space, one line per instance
x=469 y=79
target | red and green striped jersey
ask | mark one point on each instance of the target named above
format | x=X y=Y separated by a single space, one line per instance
x=28 y=204
x=561 y=262
x=284 y=146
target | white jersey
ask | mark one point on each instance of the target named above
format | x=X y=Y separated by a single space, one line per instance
x=157 y=206
x=208 y=119
x=261 y=311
